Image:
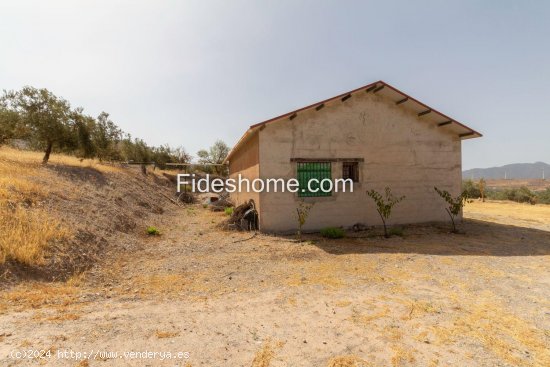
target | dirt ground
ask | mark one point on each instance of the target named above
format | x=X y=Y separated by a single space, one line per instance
x=429 y=298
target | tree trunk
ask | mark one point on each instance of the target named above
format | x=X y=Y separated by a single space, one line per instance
x=47 y=153
x=384 y=223
x=452 y=220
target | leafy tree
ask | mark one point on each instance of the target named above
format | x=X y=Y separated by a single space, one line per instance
x=481 y=186
x=455 y=204
x=214 y=155
x=164 y=154
x=136 y=150
x=471 y=189
x=44 y=114
x=180 y=155
x=82 y=127
x=48 y=122
x=9 y=124
x=106 y=137
x=384 y=205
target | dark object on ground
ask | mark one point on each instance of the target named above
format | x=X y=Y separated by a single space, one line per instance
x=244 y=217
x=359 y=227
x=221 y=203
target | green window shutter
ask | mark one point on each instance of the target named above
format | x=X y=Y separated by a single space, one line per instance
x=310 y=170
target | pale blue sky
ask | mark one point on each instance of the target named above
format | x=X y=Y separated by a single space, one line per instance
x=190 y=72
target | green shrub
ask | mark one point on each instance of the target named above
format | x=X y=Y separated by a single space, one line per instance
x=332 y=232
x=521 y=195
x=496 y=195
x=396 y=231
x=543 y=197
x=229 y=211
x=470 y=189
x=153 y=231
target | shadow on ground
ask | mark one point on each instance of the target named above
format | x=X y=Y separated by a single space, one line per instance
x=87 y=174
x=479 y=238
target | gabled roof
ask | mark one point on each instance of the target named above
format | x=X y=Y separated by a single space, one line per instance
x=385 y=90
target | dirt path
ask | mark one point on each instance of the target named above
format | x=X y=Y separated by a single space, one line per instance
x=429 y=299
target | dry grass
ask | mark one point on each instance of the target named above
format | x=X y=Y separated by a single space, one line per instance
x=335 y=275
x=347 y=361
x=27 y=233
x=165 y=284
x=317 y=274
x=166 y=334
x=420 y=308
x=367 y=318
x=18 y=181
x=27 y=229
x=510 y=213
x=504 y=334
x=31 y=159
x=402 y=357
x=60 y=317
x=264 y=356
x=35 y=295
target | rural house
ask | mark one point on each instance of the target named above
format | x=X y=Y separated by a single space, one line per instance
x=376 y=135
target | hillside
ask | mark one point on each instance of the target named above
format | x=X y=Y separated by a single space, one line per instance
x=510 y=171
x=63 y=217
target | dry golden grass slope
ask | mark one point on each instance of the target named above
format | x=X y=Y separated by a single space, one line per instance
x=56 y=219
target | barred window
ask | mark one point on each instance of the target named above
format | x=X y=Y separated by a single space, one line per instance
x=312 y=170
x=350 y=170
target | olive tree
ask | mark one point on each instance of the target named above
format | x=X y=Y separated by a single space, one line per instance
x=9 y=123
x=44 y=114
x=106 y=136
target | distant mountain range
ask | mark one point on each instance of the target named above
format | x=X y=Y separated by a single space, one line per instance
x=510 y=171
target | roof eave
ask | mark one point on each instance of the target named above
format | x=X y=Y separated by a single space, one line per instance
x=372 y=87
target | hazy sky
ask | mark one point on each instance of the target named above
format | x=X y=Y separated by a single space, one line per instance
x=190 y=72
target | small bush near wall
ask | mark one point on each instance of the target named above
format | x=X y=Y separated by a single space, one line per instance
x=332 y=232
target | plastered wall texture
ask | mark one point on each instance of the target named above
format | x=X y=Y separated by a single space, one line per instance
x=410 y=154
